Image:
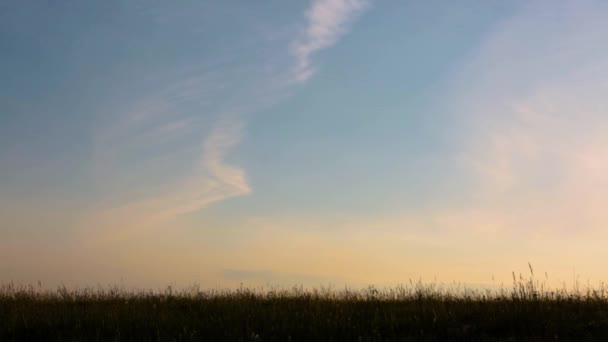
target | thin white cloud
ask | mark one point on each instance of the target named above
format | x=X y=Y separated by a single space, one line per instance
x=155 y=137
x=215 y=180
x=327 y=21
x=218 y=144
x=211 y=181
x=164 y=155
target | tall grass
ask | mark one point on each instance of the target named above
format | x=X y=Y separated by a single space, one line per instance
x=528 y=310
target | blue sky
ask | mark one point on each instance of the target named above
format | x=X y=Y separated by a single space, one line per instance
x=314 y=141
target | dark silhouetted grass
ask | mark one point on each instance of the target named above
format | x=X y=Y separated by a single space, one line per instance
x=415 y=312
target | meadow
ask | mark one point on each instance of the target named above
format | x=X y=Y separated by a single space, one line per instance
x=428 y=312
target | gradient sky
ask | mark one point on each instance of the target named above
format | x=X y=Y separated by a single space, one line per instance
x=314 y=142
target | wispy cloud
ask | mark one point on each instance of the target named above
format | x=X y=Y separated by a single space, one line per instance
x=159 y=136
x=211 y=180
x=217 y=145
x=164 y=155
x=215 y=180
x=327 y=21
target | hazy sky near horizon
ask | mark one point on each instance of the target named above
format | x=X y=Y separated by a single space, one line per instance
x=312 y=142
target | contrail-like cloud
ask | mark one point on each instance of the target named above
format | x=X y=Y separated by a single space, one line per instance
x=150 y=137
x=327 y=21
x=212 y=181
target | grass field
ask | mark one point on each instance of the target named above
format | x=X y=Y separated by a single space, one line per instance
x=417 y=312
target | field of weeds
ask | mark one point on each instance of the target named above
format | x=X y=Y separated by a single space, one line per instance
x=415 y=312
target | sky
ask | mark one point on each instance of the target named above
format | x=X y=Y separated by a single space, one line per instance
x=318 y=142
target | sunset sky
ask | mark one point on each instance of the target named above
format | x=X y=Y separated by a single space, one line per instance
x=344 y=142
